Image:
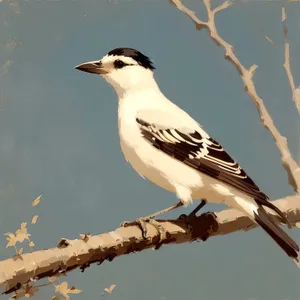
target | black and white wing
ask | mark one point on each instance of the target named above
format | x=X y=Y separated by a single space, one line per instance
x=201 y=152
x=190 y=144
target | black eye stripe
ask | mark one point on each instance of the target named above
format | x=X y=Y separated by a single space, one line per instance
x=119 y=64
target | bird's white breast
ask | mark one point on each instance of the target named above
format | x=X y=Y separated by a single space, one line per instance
x=136 y=150
x=158 y=167
x=148 y=161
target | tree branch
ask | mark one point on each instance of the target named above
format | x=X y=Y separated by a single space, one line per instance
x=80 y=253
x=288 y=162
x=287 y=63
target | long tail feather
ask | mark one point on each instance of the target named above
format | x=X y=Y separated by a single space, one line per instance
x=277 y=210
x=277 y=234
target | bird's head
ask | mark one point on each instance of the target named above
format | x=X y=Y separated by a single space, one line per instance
x=124 y=68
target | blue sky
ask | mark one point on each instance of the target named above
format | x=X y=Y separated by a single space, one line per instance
x=59 y=138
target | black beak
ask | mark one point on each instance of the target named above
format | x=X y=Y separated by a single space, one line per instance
x=94 y=67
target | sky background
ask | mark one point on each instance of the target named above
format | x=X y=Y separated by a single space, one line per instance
x=59 y=138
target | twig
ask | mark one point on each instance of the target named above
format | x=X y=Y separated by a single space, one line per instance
x=288 y=162
x=287 y=63
x=80 y=253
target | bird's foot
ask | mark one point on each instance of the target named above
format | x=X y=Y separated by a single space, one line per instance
x=161 y=233
x=188 y=220
x=142 y=224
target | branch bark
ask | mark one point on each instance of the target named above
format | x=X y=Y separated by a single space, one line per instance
x=288 y=162
x=287 y=63
x=80 y=253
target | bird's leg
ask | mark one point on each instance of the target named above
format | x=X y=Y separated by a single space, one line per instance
x=201 y=205
x=163 y=211
x=141 y=222
x=187 y=218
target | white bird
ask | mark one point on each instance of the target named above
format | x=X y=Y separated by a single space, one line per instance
x=168 y=147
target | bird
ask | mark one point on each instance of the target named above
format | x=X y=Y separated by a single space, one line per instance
x=165 y=145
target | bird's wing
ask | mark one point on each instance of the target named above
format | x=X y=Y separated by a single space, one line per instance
x=190 y=144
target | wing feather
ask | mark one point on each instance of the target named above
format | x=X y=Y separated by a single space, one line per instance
x=201 y=153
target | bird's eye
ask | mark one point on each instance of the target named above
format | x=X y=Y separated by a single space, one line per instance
x=119 y=64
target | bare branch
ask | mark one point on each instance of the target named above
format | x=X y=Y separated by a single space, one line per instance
x=221 y=7
x=80 y=253
x=269 y=40
x=283 y=15
x=199 y=24
x=250 y=74
x=287 y=63
x=288 y=162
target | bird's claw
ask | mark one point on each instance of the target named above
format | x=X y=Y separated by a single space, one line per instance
x=187 y=219
x=127 y=223
x=142 y=224
x=161 y=233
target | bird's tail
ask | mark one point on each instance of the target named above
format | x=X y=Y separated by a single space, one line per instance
x=265 y=221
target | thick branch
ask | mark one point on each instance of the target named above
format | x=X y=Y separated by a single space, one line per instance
x=290 y=165
x=80 y=253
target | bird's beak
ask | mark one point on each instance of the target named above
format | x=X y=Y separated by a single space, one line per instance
x=94 y=67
